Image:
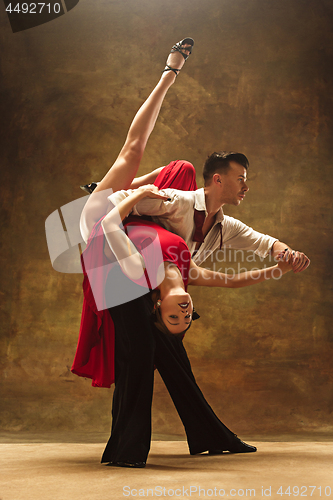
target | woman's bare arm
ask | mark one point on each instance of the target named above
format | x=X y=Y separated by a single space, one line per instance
x=205 y=277
x=145 y=179
x=118 y=244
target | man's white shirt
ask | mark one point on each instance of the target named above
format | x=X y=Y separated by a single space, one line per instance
x=177 y=216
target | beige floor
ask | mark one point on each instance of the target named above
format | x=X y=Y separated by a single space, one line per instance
x=71 y=471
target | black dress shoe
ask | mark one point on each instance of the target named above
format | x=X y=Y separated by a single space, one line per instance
x=128 y=463
x=237 y=446
x=241 y=447
x=89 y=188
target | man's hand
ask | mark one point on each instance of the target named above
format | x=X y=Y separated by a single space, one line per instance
x=298 y=260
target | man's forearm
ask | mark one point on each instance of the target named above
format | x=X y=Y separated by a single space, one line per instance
x=278 y=247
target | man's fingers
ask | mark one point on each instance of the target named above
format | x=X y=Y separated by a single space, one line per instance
x=303 y=265
x=300 y=262
x=288 y=256
x=297 y=261
x=285 y=256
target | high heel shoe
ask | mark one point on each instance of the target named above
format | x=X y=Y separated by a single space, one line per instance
x=89 y=188
x=179 y=47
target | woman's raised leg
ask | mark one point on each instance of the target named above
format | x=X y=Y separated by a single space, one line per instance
x=124 y=169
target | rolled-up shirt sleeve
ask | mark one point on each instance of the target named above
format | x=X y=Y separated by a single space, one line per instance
x=240 y=236
x=118 y=196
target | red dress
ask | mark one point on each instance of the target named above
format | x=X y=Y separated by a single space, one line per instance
x=94 y=356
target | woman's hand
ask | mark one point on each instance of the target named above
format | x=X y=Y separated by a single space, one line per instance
x=151 y=191
x=285 y=261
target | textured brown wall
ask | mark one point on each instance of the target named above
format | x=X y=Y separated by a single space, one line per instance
x=259 y=81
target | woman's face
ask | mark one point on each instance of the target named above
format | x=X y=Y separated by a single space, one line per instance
x=176 y=312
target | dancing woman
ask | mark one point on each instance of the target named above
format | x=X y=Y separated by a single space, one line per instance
x=141 y=344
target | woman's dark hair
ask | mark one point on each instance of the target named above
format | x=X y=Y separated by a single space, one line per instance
x=220 y=162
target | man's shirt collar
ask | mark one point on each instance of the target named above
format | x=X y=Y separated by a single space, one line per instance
x=200 y=205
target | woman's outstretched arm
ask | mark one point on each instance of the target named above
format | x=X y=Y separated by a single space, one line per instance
x=118 y=244
x=206 y=277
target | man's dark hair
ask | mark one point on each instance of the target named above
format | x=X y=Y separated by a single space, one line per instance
x=220 y=162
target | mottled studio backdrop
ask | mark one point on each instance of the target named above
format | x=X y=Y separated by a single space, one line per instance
x=260 y=82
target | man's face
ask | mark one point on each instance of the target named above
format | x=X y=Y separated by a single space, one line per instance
x=233 y=185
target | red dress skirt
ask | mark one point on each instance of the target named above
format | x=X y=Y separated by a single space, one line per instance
x=94 y=356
